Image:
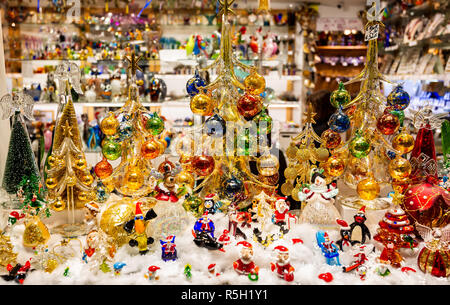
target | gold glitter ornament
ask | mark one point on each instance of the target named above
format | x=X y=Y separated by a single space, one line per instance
x=35 y=233
x=290 y=173
x=113 y=219
x=7 y=255
x=321 y=154
x=80 y=163
x=51 y=161
x=291 y=151
x=202 y=104
x=287 y=188
x=303 y=154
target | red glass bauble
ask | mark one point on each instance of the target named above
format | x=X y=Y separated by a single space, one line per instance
x=103 y=169
x=388 y=123
x=203 y=165
x=332 y=138
x=249 y=105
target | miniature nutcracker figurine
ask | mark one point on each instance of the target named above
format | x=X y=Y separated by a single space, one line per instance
x=151 y=273
x=169 y=251
x=210 y=203
x=282 y=266
x=345 y=244
x=245 y=265
x=90 y=217
x=167 y=189
x=358 y=229
x=203 y=233
x=137 y=227
x=328 y=248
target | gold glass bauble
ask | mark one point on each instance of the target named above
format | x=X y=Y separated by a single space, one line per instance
x=399 y=168
x=254 y=83
x=291 y=151
x=51 y=265
x=51 y=183
x=202 y=104
x=287 y=188
x=294 y=193
x=185 y=178
x=150 y=149
x=290 y=173
x=58 y=205
x=134 y=179
x=368 y=189
x=83 y=196
x=80 y=162
x=303 y=154
x=51 y=161
x=268 y=165
x=113 y=218
x=109 y=125
x=334 y=166
x=403 y=143
x=87 y=179
x=321 y=154
x=35 y=233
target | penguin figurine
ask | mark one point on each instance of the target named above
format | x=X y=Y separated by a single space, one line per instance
x=358 y=230
x=345 y=243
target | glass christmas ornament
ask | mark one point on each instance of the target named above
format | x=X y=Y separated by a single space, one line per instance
x=249 y=105
x=203 y=165
x=51 y=161
x=403 y=142
x=445 y=136
x=398 y=98
x=263 y=122
x=368 y=189
x=125 y=128
x=303 y=154
x=331 y=138
x=109 y=125
x=153 y=123
x=291 y=151
x=35 y=233
x=58 y=205
x=51 y=182
x=290 y=173
x=339 y=121
x=80 y=163
x=399 y=168
x=321 y=154
x=194 y=205
x=193 y=84
x=103 y=168
x=388 y=123
x=134 y=179
x=267 y=165
x=398 y=113
x=101 y=192
x=334 y=166
x=232 y=186
x=87 y=179
x=185 y=178
x=202 y=104
x=340 y=97
x=254 y=83
x=215 y=126
x=111 y=149
x=359 y=146
x=150 y=149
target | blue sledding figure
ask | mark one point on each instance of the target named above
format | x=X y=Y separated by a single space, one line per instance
x=329 y=249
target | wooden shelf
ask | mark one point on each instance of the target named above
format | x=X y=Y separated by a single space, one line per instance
x=342 y=50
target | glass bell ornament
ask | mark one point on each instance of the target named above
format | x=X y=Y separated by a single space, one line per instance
x=388 y=123
x=215 y=126
x=254 y=83
x=103 y=168
x=111 y=149
x=399 y=168
x=331 y=138
x=202 y=104
x=368 y=189
x=339 y=121
x=194 y=83
x=398 y=98
x=403 y=142
x=340 y=97
x=359 y=146
x=109 y=125
x=203 y=165
x=249 y=105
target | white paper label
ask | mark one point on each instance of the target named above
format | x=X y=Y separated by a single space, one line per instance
x=372 y=32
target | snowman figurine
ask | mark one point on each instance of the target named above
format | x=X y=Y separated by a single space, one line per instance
x=319 y=198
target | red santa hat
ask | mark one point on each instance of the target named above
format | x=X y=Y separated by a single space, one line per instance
x=153 y=268
x=281 y=249
x=210 y=196
x=281 y=199
x=211 y=267
x=170 y=238
x=138 y=209
x=344 y=225
x=362 y=210
x=245 y=244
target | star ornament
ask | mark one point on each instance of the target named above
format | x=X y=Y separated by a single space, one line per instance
x=17 y=101
x=226 y=4
x=309 y=114
x=133 y=63
x=67 y=130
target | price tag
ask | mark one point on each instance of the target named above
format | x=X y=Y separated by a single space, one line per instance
x=372 y=32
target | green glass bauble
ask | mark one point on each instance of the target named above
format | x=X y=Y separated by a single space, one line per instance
x=359 y=146
x=111 y=149
x=340 y=96
x=154 y=124
x=263 y=122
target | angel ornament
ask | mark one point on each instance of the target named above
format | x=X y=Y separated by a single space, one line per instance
x=17 y=101
x=434 y=258
x=68 y=72
x=319 y=198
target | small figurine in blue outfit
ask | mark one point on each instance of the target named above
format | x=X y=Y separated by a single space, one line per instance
x=118 y=267
x=329 y=249
x=169 y=251
x=204 y=233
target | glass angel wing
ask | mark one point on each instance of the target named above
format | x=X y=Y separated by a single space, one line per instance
x=17 y=101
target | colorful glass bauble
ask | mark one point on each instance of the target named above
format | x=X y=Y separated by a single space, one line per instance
x=58 y=205
x=399 y=168
x=202 y=104
x=403 y=143
x=249 y=105
x=428 y=204
x=215 y=126
x=388 y=123
x=267 y=165
x=254 y=83
x=263 y=122
x=103 y=168
x=334 y=166
x=153 y=123
x=340 y=97
x=101 y=193
x=203 y=165
x=368 y=189
x=339 y=121
x=193 y=204
x=232 y=186
x=109 y=125
x=193 y=84
x=398 y=98
x=134 y=179
x=150 y=149
x=111 y=149
x=185 y=178
x=331 y=138
x=126 y=128
x=359 y=146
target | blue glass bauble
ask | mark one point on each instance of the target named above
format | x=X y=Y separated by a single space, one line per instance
x=125 y=128
x=193 y=83
x=398 y=98
x=339 y=122
x=232 y=186
x=215 y=126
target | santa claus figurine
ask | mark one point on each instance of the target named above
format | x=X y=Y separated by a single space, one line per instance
x=169 y=251
x=225 y=238
x=281 y=216
x=151 y=273
x=282 y=266
x=319 y=198
x=245 y=265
